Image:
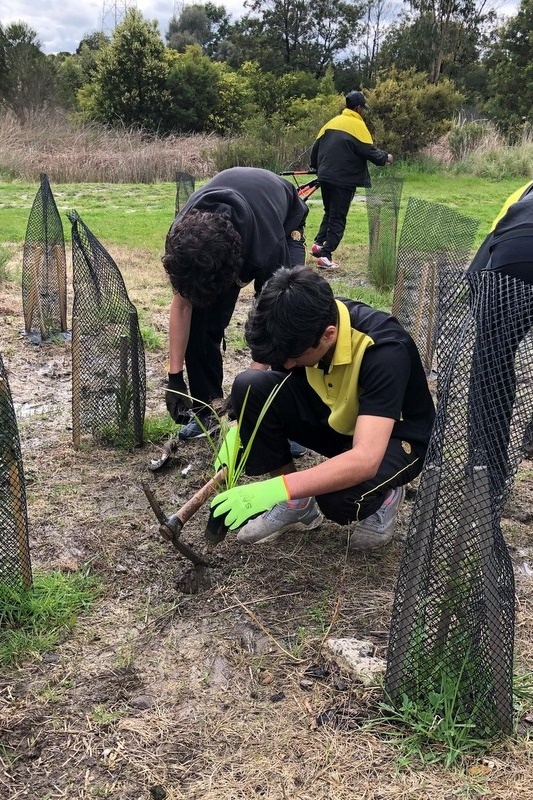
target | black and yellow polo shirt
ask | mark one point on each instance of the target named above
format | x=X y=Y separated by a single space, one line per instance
x=375 y=370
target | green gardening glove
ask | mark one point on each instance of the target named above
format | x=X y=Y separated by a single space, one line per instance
x=242 y=502
x=228 y=454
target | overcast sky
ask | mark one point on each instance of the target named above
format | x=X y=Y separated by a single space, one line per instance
x=61 y=24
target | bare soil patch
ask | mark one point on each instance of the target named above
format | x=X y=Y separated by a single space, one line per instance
x=225 y=694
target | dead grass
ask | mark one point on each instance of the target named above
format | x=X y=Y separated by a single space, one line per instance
x=72 y=152
x=162 y=695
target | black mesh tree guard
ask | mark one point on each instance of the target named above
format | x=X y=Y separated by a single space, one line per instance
x=44 y=270
x=383 y=207
x=453 y=616
x=184 y=188
x=429 y=293
x=108 y=365
x=15 y=564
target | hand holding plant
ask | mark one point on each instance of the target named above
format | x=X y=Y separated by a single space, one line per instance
x=230 y=453
x=242 y=502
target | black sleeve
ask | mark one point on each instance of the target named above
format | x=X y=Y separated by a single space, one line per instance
x=372 y=153
x=384 y=375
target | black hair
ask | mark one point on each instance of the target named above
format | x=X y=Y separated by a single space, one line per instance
x=203 y=256
x=290 y=315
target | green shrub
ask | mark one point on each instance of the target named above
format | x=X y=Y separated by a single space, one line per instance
x=193 y=84
x=273 y=143
x=234 y=104
x=275 y=94
x=408 y=113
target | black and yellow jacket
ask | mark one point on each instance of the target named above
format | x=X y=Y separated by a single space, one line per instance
x=510 y=240
x=342 y=149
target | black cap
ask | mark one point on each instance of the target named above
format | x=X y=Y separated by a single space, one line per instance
x=356 y=99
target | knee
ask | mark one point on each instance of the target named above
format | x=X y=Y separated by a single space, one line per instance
x=252 y=383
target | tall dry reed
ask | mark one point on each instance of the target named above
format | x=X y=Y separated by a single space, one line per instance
x=74 y=152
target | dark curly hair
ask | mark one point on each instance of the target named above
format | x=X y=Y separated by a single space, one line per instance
x=203 y=256
x=290 y=315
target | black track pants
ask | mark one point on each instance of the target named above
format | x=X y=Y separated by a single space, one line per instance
x=298 y=413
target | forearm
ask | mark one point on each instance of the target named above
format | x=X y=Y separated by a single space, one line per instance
x=179 y=327
x=337 y=473
x=370 y=441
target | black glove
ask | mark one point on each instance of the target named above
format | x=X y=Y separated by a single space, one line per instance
x=178 y=406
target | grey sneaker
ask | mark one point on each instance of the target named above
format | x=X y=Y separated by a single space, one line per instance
x=268 y=526
x=377 y=529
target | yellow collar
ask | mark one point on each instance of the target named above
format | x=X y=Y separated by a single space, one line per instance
x=343 y=346
x=349 y=112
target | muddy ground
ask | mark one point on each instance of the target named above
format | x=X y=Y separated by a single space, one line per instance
x=226 y=693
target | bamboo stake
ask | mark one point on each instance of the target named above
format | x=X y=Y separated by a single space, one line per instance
x=138 y=411
x=61 y=269
x=76 y=383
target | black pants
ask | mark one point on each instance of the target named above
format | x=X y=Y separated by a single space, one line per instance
x=298 y=413
x=336 y=201
x=203 y=357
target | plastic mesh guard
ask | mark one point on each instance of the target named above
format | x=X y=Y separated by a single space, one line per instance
x=453 y=615
x=108 y=365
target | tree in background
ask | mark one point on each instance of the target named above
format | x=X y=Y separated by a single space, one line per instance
x=75 y=70
x=439 y=34
x=405 y=47
x=260 y=76
x=29 y=78
x=88 y=51
x=361 y=68
x=203 y=24
x=286 y=35
x=4 y=83
x=235 y=103
x=509 y=64
x=193 y=86
x=274 y=94
x=129 y=86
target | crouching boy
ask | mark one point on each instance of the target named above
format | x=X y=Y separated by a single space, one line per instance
x=356 y=393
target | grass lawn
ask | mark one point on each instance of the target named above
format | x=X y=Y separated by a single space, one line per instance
x=138 y=216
